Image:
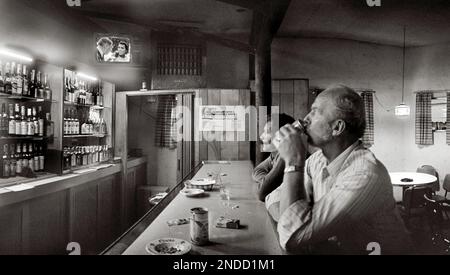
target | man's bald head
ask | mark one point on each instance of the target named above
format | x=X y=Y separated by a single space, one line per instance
x=349 y=107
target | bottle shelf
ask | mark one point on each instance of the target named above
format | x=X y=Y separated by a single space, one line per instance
x=23 y=138
x=96 y=107
x=18 y=97
x=93 y=166
x=85 y=136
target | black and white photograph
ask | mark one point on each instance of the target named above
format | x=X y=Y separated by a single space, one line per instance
x=240 y=132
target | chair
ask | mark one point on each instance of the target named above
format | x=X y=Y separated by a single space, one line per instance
x=443 y=199
x=428 y=169
x=434 y=214
x=414 y=201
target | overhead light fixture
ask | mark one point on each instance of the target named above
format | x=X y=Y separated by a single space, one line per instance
x=403 y=110
x=83 y=75
x=16 y=55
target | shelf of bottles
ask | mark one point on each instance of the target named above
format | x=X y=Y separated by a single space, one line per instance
x=26 y=126
x=85 y=130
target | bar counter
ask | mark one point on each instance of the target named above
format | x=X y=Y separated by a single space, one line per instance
x=91 y=207
x=256 y=235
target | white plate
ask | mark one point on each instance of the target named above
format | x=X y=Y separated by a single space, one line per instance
x=188 y=192
x=202 y=181
x=168 y=246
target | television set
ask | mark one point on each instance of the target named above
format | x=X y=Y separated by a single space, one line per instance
x=112 y=48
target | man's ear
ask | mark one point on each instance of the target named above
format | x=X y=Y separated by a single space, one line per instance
x=338 y=127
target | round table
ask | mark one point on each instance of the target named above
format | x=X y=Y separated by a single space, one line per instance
x=417 y=179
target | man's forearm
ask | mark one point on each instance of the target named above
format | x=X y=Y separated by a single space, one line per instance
x=293 y=189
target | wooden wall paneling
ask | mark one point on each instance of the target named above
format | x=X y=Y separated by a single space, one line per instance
x=276 y=93
x=108 y=94
x=130 y=197
x=301 y=108
x=243 y=137
x=107 y=207
x=83 y=217
x=203 y=144
x=287 y=97
x=214 y=144
x=46 y=225
x=121 y=146
x=11 y=230
x=229 y=147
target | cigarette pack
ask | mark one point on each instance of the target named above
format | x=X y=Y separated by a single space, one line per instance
x=223 y=222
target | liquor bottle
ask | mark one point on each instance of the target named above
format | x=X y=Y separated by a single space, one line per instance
x=40 y=122
x=32 y=85
x=100 y=95
x=23 y=122
x=26 y=87
x=31 y=157
x=76 y=123
x=35 y=121
x=47 y=91
x=36 y=158
x=2 y=81
x=66 y=122
x=72 y=90
x=65 y=158
x=12 y=121
x=4 y=121
x=66 y=89
x=85 y=156
x=13 y=79
x=8 y=83
x=25 y=156
x=30 y=123
x=17 y=120
x=18 y=157
x=5 y=162
x=70 y=123
x=39 y=87
x=12 y=162
x=19 y=80
x=49 y=126
x=41 y=159
x=73 y=157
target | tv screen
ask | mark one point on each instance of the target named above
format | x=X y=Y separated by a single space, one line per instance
x=113 y=49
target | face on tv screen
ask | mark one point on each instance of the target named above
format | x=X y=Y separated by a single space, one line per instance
x=113 y=49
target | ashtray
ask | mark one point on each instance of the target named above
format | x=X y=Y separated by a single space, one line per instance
x=406 y=180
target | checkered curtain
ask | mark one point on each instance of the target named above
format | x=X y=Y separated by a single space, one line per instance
x=448 y=119
x=166 y=117
x=424 y=132
x=368 y=137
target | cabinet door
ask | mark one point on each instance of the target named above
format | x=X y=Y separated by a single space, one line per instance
x=83 y=217
x=10 y=230
x=141 y=175
x=130 y=197
x=107 y=212
x=45 y=225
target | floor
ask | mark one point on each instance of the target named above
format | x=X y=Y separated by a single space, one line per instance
x=428 y=241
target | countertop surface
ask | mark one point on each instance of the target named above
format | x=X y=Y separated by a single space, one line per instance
x=256 y=235
x=50 y=184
